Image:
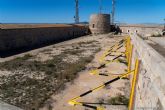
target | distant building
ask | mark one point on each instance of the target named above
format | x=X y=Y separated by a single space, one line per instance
x=99 y=23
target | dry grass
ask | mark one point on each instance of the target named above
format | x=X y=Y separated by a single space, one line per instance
x=118 y=100
x=33 y=82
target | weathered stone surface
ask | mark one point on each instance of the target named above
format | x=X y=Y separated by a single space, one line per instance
x=99 y=23
x=18 y=38
x=150 y=90
x=142 y=29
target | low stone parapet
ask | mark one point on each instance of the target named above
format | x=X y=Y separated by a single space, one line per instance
x=150 y=90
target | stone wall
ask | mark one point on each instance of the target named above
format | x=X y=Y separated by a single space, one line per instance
x=142 y=30
x=150 y=88
x=99 y=23
x=23 y=38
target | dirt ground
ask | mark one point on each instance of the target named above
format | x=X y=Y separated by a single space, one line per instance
x=85 y=47
x=85 y=82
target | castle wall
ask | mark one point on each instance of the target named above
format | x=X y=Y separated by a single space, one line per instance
x=17 y=38
x=142 y=30
x=99 y=23
x=150 y=88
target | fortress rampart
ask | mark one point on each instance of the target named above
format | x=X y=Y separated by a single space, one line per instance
x=150 y=88
x=33 y=37
x=142 y=30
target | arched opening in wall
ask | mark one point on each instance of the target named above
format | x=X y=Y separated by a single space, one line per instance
x=128 y=31
x=136 y=31
x=93 y=26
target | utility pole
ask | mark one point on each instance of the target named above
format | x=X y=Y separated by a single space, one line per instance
x=113 y=11
x=76 y=17
x=164 y=23
x=100 y=7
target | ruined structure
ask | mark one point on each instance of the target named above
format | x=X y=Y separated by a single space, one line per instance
x=99 y=23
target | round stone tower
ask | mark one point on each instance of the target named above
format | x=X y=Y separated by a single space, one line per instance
x=99 y=23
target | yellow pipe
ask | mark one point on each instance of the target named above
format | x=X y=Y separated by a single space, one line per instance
x=128 y=48
x=126 y=74
x=75 y=98
x=96 y=71
x=98 y=88
x=130 y=58
x=131 y=101
x=73 y=101
x=102 y=58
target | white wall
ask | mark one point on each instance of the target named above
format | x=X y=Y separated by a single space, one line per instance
x=144 y=31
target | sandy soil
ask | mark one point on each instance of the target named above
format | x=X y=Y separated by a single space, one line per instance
x=85 y=82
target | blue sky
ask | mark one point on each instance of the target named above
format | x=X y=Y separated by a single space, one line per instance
x=62 y=11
